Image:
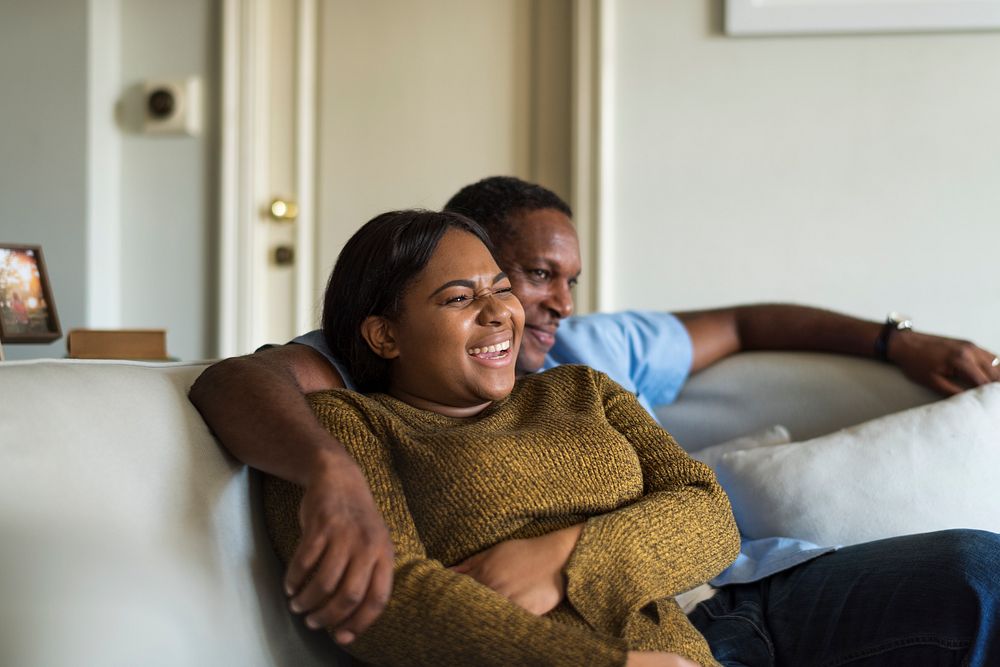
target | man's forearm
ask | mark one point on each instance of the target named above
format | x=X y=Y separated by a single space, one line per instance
x=716 y=334
x=790 y=327
x=341 y=573
x=947 y=365
x=257 y=408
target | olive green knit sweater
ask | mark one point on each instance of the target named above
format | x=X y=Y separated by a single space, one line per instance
x=567 y=446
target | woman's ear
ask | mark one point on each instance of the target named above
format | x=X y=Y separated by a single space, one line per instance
x=378 y=333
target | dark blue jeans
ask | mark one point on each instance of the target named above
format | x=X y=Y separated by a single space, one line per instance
x=930 y=599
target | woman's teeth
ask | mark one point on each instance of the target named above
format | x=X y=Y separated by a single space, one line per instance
x=499 y=347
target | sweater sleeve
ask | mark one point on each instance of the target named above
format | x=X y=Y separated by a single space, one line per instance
x=679 y=534
x=436 y=616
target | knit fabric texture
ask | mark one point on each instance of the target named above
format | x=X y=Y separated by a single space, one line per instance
x=567 y=446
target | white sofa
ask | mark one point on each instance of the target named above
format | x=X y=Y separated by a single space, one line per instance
x=129 y=537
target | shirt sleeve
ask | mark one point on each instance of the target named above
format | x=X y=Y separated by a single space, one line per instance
x=647 y=352
x=317 y=341
x=679 y=534
x=436 y=616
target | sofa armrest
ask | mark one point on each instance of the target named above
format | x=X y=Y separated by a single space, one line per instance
x=127 y=534
x=811 y=394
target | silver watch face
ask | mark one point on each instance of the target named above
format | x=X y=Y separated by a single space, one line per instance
x=901 y=322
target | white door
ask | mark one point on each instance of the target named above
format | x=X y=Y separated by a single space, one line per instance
x=351 y=108
x=281 y=215
x=267 y=207
x=418 y=99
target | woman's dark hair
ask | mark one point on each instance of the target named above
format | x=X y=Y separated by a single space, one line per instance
x=493 y=201
x=372 y=274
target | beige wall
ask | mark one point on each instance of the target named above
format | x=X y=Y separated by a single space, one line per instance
x=859 y=173
x=856 y=172
x=416 y=99
x=43 y=146
x=420 y=98
x=169 y=204
x=126 y=220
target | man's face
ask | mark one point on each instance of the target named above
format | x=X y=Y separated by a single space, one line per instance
x=542 y=259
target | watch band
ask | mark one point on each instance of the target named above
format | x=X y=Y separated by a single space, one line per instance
x=893 y=322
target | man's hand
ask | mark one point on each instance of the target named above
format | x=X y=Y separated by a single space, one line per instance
x=256 y=406
x=528 y=572
x=656 y=659
x=346 y=547
x=946 y=365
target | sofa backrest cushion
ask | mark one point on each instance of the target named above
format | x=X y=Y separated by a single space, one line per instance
x=811 y=394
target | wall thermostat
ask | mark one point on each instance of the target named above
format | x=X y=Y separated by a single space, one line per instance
x=172 y=106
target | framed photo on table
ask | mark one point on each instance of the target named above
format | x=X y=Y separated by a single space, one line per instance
x=27 y=309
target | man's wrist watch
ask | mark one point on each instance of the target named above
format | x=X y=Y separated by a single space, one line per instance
x=894 y=323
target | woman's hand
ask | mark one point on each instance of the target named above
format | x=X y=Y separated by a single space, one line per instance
x=528 y=572
x=657 y=659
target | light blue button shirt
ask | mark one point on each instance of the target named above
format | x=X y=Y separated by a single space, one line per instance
x=648 y=353
x=316 y=341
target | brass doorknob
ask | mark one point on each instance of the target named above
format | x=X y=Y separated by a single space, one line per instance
x=283 y=210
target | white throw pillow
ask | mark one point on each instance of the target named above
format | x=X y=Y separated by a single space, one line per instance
x=925 y=469
x=765 y=437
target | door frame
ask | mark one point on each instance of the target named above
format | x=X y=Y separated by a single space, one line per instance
x=590 y=163
x=243 y=255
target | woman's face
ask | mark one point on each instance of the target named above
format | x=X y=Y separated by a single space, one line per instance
x=457 y=337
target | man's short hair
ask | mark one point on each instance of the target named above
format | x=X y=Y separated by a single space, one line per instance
x=493 y=202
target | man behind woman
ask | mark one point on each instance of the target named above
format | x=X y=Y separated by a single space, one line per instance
x=459 y=460
x=927 y=599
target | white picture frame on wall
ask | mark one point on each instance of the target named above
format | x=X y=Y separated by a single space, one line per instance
x=791 y=17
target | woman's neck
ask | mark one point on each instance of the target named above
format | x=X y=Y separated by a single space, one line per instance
x=423 y=403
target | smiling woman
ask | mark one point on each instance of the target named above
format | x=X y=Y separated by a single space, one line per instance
x=455 y=340
x=548 y=521
x=412 y=292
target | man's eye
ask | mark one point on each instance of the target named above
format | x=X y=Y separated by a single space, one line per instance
x=573 y=282
x=541 y=274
